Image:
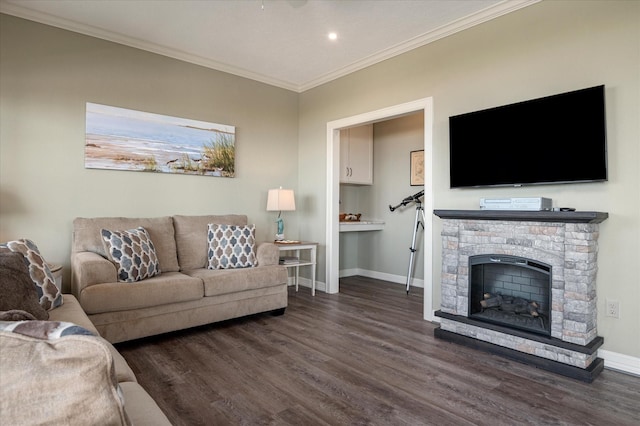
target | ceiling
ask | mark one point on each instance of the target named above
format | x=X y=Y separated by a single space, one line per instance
x=279 y=42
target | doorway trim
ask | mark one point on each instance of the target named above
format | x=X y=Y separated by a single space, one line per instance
x=333 y=190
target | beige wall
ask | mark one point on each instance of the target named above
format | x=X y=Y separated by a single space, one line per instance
x=47 y=75
x=547 y=48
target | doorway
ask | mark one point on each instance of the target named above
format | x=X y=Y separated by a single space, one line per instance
x=333 y=189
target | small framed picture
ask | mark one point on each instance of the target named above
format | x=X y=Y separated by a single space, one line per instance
x=416 y=168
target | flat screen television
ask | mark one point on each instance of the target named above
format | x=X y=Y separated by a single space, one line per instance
x=555 y=139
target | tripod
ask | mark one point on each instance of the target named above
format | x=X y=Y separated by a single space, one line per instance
x=419 y=221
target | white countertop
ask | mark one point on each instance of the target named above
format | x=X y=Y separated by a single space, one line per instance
x=362 y=225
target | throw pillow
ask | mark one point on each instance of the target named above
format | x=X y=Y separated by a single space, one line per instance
x=17 y=292
x=231 y=246
x=132 y=252
x=49 y=295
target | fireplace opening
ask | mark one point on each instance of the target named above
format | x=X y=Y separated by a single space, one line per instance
x=510 y=291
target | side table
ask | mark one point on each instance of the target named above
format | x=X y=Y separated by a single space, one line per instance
x=297 y=261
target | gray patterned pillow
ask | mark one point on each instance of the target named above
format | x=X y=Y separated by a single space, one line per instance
x=49 y=295
x=132 y=252
x=231 y=246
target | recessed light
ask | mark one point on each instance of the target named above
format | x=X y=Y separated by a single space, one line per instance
x=333 y=36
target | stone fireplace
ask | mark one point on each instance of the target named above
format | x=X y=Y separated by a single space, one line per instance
x=523 y=285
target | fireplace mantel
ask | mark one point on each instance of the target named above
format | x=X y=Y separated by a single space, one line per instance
x=520 y=215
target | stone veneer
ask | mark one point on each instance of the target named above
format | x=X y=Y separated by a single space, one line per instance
x=570 y=248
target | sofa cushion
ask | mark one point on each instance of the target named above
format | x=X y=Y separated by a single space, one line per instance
x=71 y=311
x=141 y=408
x=87 y=237
x=49 y=295
x=40 y=381
x=17 y=291
x=231 y=246
x=168 y=288
x=191 y=237
x=223 y=281
x=133 y=253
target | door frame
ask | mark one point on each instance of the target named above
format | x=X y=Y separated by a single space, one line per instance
x=333 y=190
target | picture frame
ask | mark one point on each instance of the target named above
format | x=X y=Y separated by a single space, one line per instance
x=124 y=139
x=416 y=168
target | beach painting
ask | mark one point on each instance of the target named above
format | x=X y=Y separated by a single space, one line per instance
x=124 y=139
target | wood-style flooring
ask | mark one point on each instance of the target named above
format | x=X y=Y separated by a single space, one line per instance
x=364 y=356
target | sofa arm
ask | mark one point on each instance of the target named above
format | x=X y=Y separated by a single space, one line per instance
x=268 y=254
x=88 y=268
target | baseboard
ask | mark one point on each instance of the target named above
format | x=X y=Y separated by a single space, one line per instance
x=306 y=282
x=400 y=279
x=620 y=362
x=348 y=272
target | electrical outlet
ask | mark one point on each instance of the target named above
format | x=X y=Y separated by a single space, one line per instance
x=612 y=308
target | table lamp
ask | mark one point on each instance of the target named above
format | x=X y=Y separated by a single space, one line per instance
x=280 y=200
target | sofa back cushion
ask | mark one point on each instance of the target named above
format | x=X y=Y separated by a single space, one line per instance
x=191 y=237
x=87 y=236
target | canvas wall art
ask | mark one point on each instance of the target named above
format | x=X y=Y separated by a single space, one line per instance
x=124 y=139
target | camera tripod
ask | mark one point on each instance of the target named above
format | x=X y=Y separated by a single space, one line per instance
x=419 y=221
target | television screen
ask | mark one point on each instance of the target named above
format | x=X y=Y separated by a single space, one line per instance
x=555 y=139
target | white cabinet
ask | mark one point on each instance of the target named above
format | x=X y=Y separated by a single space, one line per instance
x=356 y=155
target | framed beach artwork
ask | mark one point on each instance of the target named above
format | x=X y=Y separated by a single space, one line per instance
x=124 y=139
x=416 y=168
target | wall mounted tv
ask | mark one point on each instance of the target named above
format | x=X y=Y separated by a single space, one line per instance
x=555 y=139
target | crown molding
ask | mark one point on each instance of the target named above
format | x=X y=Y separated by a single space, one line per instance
x=492 y=12
x=69 y=25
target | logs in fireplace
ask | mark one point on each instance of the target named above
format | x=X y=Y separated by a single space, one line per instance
x=514 y=305
x=510 y=290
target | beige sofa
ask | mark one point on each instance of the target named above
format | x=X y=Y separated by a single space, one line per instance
x=75 y=379
x=82 y=379
x=185 y=294
x=54 y=367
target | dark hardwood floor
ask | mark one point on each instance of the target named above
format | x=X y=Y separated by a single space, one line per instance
x=361 y=357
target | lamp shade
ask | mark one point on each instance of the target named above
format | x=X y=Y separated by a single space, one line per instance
x=281 y=200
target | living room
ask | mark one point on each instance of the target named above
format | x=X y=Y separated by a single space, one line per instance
x=47 y=75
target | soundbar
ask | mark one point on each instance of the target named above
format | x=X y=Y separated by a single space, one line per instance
x=528 y=204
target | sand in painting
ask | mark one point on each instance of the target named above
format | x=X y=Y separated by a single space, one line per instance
x=118 y=153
